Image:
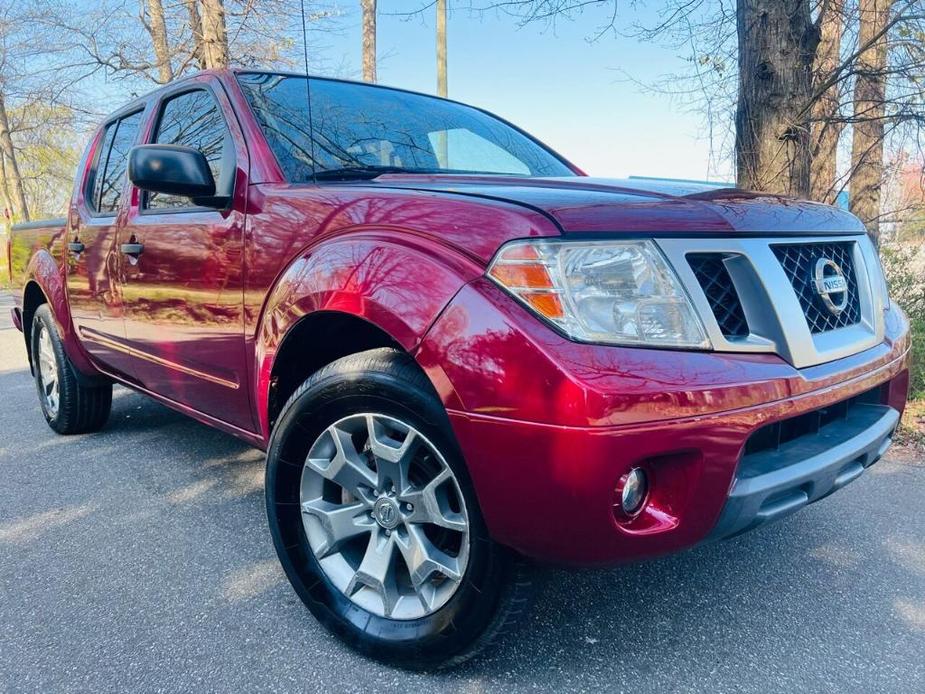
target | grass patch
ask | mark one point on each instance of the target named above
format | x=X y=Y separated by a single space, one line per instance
x=911 y=430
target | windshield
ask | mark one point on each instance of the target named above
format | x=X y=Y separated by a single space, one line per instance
x=363 y=131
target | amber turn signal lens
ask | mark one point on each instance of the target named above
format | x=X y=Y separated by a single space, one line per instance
x=521 y=270
x=549 y=305
x=532 y=276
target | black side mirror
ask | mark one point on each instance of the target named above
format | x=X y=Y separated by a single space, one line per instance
x=171 y=169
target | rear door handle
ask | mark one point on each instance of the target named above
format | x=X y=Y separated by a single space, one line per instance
x=132 y=248
x=75 y=247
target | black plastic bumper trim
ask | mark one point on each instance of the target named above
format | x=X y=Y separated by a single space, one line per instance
x=773 y=484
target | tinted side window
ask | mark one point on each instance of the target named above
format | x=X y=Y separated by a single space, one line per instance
x=108 y=177
x=193 y=120
x=95 y=184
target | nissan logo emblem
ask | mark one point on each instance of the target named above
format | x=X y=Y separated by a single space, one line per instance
x=831 y=285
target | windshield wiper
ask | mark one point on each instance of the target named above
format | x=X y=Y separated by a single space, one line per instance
x=363 y=172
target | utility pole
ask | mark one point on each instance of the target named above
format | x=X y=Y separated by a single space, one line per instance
x=369 y=40
x=442 y=149
x=441 y=48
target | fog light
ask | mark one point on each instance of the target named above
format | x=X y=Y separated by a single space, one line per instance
x=635 y=488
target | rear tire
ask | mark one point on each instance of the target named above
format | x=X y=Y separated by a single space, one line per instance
x=68 y=406
x=368 y=399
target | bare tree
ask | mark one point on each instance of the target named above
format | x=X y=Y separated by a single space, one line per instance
x=157 y=28
x=53 y=60
x=112 y=38
x=12 y=47
x=197 y=51
x=11 y=169
x=369 y=39
x=826 y=123
x=753 y=58
x=869 y=111
x=873 y=85
x=214 y=34
x=777 y=43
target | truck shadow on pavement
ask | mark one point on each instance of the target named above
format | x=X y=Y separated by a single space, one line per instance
x=834 y=595
x=770 y=594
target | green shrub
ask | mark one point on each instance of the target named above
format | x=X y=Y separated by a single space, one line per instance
x=917 y=375
x=904 y=265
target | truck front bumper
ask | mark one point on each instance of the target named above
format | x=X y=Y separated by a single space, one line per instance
x=548 y=429
x=785 y=477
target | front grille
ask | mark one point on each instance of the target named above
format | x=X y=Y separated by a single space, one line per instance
x=714 y=279
x=799 y=261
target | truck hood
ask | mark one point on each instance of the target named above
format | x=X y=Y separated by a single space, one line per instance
x=585 y=205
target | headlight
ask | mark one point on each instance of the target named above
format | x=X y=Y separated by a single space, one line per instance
x=614 y=292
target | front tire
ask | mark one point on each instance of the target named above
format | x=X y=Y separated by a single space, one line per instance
x=68 y=406
x=375 y=519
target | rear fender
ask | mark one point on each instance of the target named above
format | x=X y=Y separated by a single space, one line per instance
x=398 y=284
x=44 y=273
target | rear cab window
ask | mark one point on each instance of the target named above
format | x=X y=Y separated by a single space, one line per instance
x=107 y=179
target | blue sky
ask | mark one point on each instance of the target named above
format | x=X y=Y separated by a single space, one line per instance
x=552 y=81
x=571 y=93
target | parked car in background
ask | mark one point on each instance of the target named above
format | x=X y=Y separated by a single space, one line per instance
x=458 y=351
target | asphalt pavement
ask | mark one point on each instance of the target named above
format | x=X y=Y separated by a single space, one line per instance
x=138 y=559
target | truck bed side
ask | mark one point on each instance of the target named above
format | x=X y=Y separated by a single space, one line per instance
x=28 y=240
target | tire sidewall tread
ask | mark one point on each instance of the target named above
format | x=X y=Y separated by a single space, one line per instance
x=81 y=409
x=494 y=591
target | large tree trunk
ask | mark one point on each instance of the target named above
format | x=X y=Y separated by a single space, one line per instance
x=214 y=34
x=158 y=31
x=826 y=124
x=777 y=41
x=369 y=40
x=12 y=168
x=869 y=96
x=441 y=48
x=195 y=25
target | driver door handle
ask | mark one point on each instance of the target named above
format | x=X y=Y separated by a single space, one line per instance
x=132 y=248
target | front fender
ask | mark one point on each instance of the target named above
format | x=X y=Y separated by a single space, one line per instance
x=399 y=284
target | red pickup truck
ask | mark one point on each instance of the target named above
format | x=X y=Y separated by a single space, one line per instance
x=458 y=350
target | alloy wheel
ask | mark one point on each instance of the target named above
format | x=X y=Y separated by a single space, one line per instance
x=48 y=372
x=384 y=516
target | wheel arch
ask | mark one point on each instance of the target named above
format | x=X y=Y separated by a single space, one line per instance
x=32 y=298
x=45 y=284
x=352 y=293
x=313 y=342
